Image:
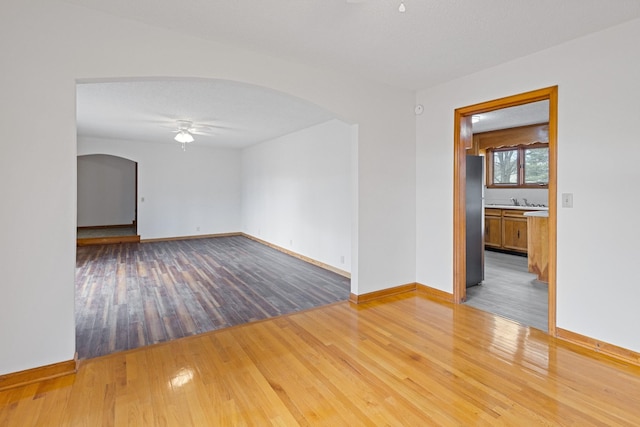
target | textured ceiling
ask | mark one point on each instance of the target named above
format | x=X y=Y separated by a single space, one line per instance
x=521 y=115
x=433 y=42
x=225 y=114
x=228 y=114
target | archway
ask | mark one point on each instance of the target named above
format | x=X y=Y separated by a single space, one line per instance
x=217 y=186
x=107 y=199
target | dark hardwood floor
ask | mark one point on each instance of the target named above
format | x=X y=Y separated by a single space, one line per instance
x=131 y=295
x=509 y=290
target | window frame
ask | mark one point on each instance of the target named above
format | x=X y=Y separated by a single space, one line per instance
x=520 y=156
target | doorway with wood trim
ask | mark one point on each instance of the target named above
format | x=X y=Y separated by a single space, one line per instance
x=463 y=140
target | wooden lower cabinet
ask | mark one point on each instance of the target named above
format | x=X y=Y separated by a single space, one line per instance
x=505 y=229
x=493 y=228
x=538 y=252
x=514 y=234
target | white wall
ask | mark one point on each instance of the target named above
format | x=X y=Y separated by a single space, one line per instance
x=297 y=192
x=180 y=193
x=49 y=45
x=598 y=148
x=106 y=190
x=502 y=196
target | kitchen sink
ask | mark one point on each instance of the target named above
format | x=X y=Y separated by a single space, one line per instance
x=529 y=207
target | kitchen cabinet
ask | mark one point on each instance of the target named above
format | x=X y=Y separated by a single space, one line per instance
x=493 y=228
x=514 y=230
x=538 y=251
x=506 y=229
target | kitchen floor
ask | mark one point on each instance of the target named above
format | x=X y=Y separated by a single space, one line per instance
x=509 y=290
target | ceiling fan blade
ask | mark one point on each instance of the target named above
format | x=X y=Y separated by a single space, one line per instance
x=201 y=126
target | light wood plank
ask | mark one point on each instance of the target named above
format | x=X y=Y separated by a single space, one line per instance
x=17 y=379
x=358 y=299
x=402 y=360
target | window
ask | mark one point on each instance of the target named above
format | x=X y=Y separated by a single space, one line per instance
x=522 y=166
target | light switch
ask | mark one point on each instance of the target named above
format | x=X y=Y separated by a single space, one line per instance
x=567 y=200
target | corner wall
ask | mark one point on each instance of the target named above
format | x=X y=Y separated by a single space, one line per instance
x=297 y=192
x=598 y=149
x=50 y=45
x=180 y=193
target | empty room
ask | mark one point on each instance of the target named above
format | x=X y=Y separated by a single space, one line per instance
x=372 y=187
x=260 y=161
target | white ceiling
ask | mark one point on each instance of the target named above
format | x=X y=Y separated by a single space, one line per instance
x=226 y=114
x=229 y=114
x=521 y=115
x=433 y=42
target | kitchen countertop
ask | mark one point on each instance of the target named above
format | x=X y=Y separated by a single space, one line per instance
x=522 y=208
x=541 y=214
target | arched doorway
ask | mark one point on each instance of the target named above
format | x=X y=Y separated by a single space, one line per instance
x=107 y=200
x=289 y=187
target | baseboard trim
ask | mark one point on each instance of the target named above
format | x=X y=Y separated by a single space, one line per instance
x=107 y=240
x=382 y=293
x=199 y=236
x=614 y=351
x=302 y=257
x=42 y=373
x=434 y=293
x=397 y=290
x=101 y=227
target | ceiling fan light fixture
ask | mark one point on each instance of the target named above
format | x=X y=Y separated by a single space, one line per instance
x=184 y=136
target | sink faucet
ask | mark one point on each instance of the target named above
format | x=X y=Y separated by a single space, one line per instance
x=514 y=201
x=525 y=202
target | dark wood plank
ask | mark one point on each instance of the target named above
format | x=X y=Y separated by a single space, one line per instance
x=131 y=295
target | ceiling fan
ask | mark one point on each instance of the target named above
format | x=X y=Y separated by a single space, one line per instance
x=184 y=133
x=186 y=129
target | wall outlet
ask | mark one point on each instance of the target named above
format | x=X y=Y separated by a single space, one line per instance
x=567 y=200
x=341 y=259
x=197 y=228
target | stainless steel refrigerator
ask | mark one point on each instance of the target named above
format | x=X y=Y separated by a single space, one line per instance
x=474 y=201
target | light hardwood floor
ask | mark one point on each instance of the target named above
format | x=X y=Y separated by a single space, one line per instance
x=403 y=361
x=87 y=233
x=509 y=290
